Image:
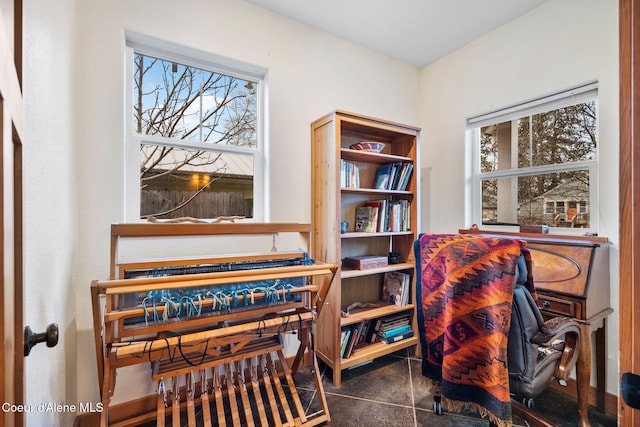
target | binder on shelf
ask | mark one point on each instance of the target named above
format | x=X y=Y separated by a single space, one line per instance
x=397 y=338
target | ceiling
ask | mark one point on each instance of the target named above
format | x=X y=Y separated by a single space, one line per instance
x=416 y=32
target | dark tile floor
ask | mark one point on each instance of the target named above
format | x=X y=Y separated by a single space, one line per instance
x=391 y=391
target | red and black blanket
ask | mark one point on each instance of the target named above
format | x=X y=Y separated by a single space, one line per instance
x=464 y=292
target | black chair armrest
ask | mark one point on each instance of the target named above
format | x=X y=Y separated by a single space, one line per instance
x=555 y=328
x=570 y=331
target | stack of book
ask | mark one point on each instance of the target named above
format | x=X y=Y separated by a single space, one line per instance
x=394 y=176
x=394 y=328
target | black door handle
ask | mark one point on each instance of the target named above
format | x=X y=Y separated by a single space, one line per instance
x=31 y=338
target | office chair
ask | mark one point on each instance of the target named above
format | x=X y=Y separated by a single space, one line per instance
x=538 y=352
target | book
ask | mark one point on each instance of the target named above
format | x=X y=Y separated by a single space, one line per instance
x=346 y=331
x=405 y=175
x=352 y=341
x=365 y=262
x=361 y=332
x=396 y=169
x=395 y=216
x=377 y=204
x=394 y=287
x=371 y=336
x=349 y=174
x=392 y=318
x=383 y=174
x=395 y=331
x=396 y=338
x=366 y=219
x=394 y=324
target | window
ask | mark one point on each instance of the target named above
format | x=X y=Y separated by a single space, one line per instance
x=194 y=143
x=536 y=163
x=550 y=207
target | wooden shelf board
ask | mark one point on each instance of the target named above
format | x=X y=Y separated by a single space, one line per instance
x=346 y=273
x=385 y=309
x=368 y=156
x=363 y=190
x=361 y=234
x=375 y=350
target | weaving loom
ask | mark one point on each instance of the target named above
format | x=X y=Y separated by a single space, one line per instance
x=210 y=329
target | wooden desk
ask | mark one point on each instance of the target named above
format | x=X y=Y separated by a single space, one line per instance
x=571 y=275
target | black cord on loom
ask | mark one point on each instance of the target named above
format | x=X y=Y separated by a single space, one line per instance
x=171 y=356
x=259 y=330
x=204 y=353
x=284 y=323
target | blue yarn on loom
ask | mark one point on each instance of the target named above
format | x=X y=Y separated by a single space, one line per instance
x=188 y=302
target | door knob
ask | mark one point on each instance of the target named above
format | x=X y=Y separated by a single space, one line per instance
x=31 y=338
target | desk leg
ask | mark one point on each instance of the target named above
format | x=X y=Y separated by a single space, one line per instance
x=601 y=366
x=583 y=374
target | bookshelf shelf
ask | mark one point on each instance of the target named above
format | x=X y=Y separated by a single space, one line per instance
x=365 y=156
x=346 y=273
x=344 y=180
x=373 y=351
x=373 y=313
x=360 y=234
x=375 y=191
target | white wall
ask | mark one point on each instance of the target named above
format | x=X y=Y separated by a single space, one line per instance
x=73 y=150
x=74 y=163
x=561 y=44
x=50 y=205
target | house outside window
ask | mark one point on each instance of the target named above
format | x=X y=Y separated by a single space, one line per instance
x=536 y=163
x=194 y=137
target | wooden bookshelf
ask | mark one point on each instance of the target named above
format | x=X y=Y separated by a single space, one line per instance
x=333 y=202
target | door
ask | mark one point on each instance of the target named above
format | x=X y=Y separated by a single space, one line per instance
x=11 y=128
x=629 y=200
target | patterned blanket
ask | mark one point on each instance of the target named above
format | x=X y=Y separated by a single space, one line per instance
x=464 y=290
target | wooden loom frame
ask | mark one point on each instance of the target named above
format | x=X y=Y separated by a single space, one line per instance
x=253 y=334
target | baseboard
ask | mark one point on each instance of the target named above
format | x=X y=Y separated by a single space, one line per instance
x=610 y=400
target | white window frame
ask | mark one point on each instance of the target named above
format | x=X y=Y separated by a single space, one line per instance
x=473 y=188
x=139 y=43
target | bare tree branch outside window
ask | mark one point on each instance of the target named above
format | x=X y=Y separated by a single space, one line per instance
x=208 y=115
